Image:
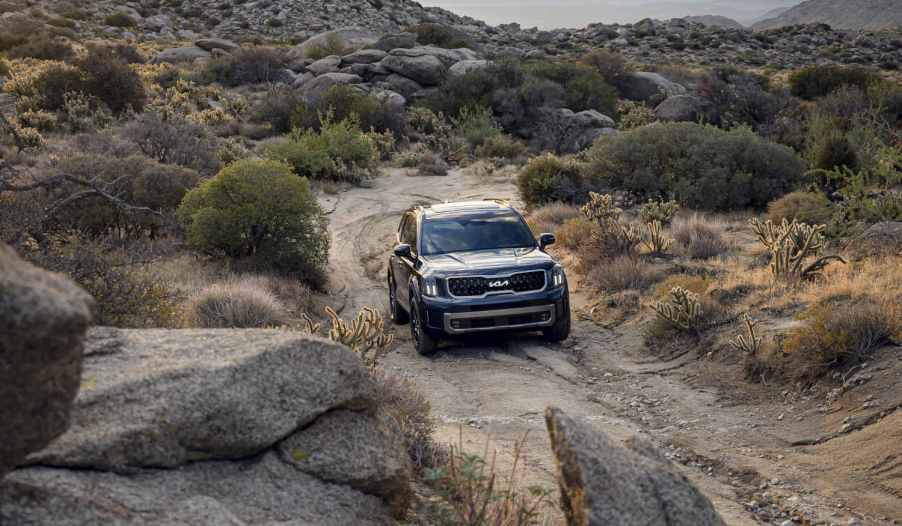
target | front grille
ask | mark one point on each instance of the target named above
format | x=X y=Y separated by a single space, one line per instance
x=478 y=286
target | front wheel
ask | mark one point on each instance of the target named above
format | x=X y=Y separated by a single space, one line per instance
x=395 y=311
x=560 y=331
x=422 y=341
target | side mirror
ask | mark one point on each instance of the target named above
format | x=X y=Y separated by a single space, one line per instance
x=403 y=251
x=546 y=240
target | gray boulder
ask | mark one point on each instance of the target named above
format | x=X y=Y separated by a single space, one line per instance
x=465 y=66
x=325 y=65
x=319 y=85
x=563 y=131
x=594 y=119
x=181 y=54
x=603 y=483
x=209 y=44
x=649 y=87
x=350 y=38
x=396 y=41
x=364 y=56
x=684 y=108
x=366 y=71
x=426 y=70
x=448 y=57
x=881 y=239
x=43 y=319
x=402 y=85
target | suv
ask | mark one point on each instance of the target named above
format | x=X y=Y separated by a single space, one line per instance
x=473 y=267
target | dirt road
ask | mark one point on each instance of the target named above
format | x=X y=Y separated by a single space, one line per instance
x=735 y=448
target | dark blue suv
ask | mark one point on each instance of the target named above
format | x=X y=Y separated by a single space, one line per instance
x=474 y=267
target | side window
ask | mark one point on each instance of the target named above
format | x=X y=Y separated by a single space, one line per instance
x=409 y=232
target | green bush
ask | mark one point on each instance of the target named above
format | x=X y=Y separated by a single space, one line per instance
x=501 y=146
x=548 y=178
x=611 y=65
x=111 y=80
x=48 y=89
x=812 y=208
x=253 y=65
x=816 y=81
x=259 y=209
x=476 y=125
x=277 y=108
x=119 y=20
x=702 y=167
x=440 y=35
x=344 y=102
x=339 y=151
x=584 y=88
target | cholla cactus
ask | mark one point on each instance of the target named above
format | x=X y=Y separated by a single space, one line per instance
x=365 y=335
x=615 y=237
x=790 y=244
x=662 y=211
x=750 y=342
x=656 y=241
x=683 y=311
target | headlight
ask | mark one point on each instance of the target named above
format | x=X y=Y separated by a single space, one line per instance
x=430 y=287
x=557 y=277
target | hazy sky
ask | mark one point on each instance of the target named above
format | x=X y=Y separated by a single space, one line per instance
x=577 y=13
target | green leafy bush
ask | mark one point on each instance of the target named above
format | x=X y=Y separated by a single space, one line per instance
x=338 y=152
x=476 y=125
x=816 y=81
x=700 y=166
x=344 y=102
x=548 y=178
x=260 y=210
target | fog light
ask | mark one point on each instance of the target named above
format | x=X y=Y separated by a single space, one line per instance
x=455 y=324
x=545 y=316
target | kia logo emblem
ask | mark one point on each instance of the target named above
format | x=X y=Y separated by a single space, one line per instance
x=499 y=284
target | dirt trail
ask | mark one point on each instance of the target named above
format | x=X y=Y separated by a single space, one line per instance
x=497 y=389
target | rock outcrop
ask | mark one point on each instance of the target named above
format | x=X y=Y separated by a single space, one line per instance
x=208 y=427
x=881 y=239
x=603 y=483
x=43 y=319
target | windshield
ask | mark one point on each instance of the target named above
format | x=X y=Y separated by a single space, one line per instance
x=463 y=234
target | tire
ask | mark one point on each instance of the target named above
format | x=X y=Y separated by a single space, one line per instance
x=423 y=342
x=395 y=311
x=560 y=331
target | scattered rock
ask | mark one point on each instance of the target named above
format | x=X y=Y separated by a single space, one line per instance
x=181 y=54
x=43 y=318
x=209 y=44
x=602 y=483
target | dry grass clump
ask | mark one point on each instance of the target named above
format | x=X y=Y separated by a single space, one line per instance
x=401 y=400
x=699 y=237
x=804 y=207
x=550 y=217
x=575 y=232
x=623 y=273
x=242 y=303
x=695 y=284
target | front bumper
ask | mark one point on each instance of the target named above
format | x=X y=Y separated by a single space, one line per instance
x=455 y=317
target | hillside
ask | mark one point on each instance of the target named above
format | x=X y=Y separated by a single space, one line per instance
x=716 y=21
x=773 y=13
x=840 y=14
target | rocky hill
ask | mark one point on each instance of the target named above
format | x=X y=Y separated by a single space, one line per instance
x=773 y=13
x=716 y=21
x=841 y=14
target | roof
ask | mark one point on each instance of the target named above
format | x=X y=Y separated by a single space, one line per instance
x=466 y=207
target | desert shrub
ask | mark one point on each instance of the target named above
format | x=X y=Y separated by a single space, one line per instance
x=476 y=125
x=611 y=65
x=699 y=237
x=125 y=295
x=804 y=207
x=124 y=52
x=634 y=114
x=575 y=233
x=612 y=236
x=339 y=152
x=832 y=150
x=119 y=19
x=584 y=88
x=332 y=45
x=700 y=166
x=248 y=65
x=4 y=68
x=551 y=216
x=838 y=333
x=795 y=248
x=742 y=98
x=623 y=273
x=682 y=310
x=345 y=102
x=662 y=211
x=44 y=47
x=440 y=35
x=276 y=108
x=174 y=141
x=695 y=284
x=548 y=178
x=45 y=86
x=112 y=81
x=236 y=304
x=501 y=146
x=430 y=163
x=259 y=210
x=816 y=81
x=402 y=401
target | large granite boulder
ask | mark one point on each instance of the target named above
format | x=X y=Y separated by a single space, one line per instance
x=208 y=427
x=314 y=87
x=364 y=56
x=649 y=87
x=426 y=70
x=396 y=41
x=881 y=239
x=448 y=57
x=350 y=38
x=603 y=483
x=181 y=54
x=465 y=66
x=43 y=319
x=401 y=84
x=325 y=65
x=564 y=131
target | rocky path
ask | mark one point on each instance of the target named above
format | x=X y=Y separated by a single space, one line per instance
x=494 y=391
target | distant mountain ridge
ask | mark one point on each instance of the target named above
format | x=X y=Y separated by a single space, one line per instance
x=773 y=13
x=841 y=14
x=716 y=21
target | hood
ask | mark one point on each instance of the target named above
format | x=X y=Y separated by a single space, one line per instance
x=482 y=261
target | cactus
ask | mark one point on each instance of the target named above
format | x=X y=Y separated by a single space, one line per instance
x=683 y=311
x=614 y=237
x=656 y=241
x=365 y=335
x=790 y=244
x=750 y=342
x=662 y=211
